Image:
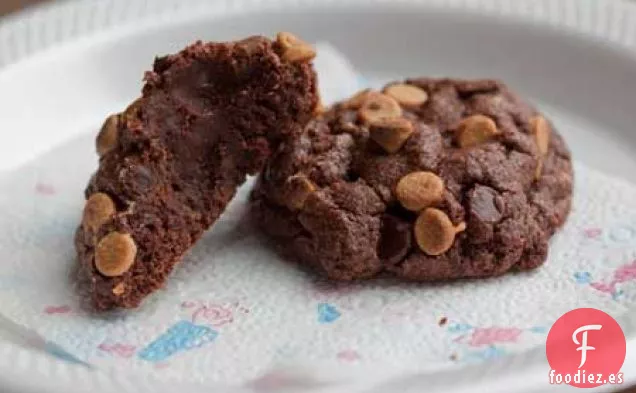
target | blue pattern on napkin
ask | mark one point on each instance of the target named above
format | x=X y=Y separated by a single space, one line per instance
x=180 y=337
x=327 y=313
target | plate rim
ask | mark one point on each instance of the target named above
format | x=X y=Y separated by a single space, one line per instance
x=48 y=18
x=37 y=21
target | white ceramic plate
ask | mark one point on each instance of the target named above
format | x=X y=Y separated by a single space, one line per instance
x=65 y=66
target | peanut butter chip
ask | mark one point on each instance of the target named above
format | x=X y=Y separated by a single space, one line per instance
x=434 y=232
x=357 y=100
x=378 y=106
x=407 y=95
x=539 y=169
x=541 y=131
x=418 y=190
x=295 y=49
x=99 y=208
x=115 y=254
x=391 y=133
x=319 y=109
x=475 y=130
x=107 y=137
x=119 y=289
x=132 y=111
x=299 y=188
x=461 y=227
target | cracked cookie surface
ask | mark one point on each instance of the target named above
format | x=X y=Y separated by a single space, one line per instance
x=429 y=179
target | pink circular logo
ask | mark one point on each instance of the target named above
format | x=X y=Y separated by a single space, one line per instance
x=586 y=348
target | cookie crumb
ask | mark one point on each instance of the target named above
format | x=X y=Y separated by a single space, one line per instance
x=299 y=187
x=442 y=321
x=119 y=289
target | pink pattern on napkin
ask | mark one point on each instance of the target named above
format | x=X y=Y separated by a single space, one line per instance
x=592 y=233
x=625 y=273
x=348 y=355
x=121 y=350
x=494 y=335
x=603 y=287
x=44 y=189
x=216 y=315
x=57 y=309
x=621 y=275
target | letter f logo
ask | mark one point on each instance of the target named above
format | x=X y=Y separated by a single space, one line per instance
x=583 y=344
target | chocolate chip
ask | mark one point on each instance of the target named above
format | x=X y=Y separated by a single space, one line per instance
x=138 y=178
x=395 y=239
x=143 y=177
x=482 y=204
x=483 y=213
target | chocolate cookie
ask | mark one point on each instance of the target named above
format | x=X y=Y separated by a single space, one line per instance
x=171 y=162
x=431 y=179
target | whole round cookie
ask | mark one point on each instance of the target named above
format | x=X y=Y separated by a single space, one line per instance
x=429 y=179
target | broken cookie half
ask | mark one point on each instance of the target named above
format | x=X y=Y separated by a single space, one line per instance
x=171 y=162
